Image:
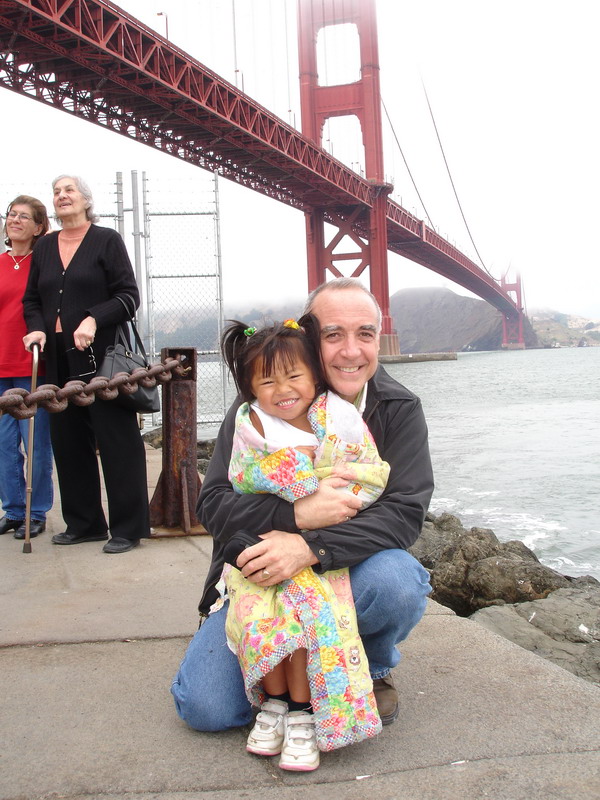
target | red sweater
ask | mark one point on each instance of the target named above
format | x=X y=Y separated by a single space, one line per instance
x=15 y=361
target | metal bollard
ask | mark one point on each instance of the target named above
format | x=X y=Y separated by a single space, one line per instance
x=173 y=504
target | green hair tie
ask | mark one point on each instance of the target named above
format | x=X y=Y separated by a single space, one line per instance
x=249 y=331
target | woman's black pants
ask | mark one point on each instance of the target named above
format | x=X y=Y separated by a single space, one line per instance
x=75 y=434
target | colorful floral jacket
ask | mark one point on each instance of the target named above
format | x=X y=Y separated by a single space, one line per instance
x=316 y=612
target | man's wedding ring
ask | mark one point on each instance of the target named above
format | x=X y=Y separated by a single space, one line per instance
x=87 y=344
x=266 y=574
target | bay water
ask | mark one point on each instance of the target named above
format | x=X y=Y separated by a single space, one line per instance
x=515 y=445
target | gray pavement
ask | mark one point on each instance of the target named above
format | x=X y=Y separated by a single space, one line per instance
x=89 y=644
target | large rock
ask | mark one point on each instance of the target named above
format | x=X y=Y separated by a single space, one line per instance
x=564 y=628
x=472 y=569
x=504 y=587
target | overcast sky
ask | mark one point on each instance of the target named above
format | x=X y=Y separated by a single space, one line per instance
x=513 y=88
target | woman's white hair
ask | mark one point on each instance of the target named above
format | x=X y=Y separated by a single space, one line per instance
x=85 y=191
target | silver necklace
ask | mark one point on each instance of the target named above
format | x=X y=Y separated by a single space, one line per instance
x=17 y=264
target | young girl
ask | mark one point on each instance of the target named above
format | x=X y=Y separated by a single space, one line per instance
x=297 y=642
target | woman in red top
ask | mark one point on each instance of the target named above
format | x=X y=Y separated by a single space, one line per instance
x=26 y=222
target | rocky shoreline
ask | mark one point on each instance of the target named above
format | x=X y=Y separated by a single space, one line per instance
x=502 y=586
x=505 y=588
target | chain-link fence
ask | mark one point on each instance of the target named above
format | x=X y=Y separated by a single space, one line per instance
x=184 y=294
x=171 y=229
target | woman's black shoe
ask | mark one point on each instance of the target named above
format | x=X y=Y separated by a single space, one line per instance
x=7 y=524
x=76 y=538
x=36 y=527
x=118 y=545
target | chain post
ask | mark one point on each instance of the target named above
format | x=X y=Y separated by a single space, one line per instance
x=173 y=505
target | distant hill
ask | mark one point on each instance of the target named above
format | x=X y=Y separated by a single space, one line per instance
x=555 y=329
x=436 y=320
x=176 y=329
x=427 y=320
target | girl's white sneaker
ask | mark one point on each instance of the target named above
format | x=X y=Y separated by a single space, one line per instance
x=300 y=751
x=266 y=737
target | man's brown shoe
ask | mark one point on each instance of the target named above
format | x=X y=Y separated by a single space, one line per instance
x=387 y=698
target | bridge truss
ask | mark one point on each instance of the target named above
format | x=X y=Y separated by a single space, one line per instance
x=91 y=59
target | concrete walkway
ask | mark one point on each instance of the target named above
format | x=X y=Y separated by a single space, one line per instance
x=89 y=644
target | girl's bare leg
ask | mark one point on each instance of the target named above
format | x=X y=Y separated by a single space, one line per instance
x=289 y=676
x=296 y=678
x=275 y=682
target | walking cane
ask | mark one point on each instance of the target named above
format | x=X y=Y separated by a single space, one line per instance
x=35 y=348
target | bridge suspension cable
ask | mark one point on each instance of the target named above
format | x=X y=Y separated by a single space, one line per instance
x=452 y=182
x=406 y=163
x=291 y=114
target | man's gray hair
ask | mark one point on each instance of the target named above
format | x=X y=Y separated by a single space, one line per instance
x=85 y=191
x=338 y=284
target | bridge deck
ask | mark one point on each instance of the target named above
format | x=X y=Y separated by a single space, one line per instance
x=91 y=59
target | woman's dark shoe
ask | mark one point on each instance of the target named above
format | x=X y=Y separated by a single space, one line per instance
x=36 y=527
x=77 y=538
x=7 y=524
x=118 y=545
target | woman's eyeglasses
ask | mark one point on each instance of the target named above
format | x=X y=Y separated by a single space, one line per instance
x=16 y=215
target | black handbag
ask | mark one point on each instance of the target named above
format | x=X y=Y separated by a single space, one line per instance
x=120 y=357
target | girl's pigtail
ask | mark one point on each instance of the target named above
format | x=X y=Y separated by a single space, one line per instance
x=310 y=325
x=233 y=342
x=312 y=332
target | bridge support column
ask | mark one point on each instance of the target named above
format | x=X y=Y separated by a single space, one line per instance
x=512 y=324
x=362 y=99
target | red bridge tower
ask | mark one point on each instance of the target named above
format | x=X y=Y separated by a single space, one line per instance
x=361 y=98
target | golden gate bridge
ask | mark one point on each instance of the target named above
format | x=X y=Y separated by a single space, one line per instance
x=91 y=59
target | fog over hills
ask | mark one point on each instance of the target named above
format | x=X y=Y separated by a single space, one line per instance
x=436 y=320
x=427 y=320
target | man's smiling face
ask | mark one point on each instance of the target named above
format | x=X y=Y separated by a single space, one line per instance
x=348 y=321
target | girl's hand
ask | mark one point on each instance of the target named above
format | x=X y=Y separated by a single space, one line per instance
x=33 y=337
x=85 y=333
x=308 y=450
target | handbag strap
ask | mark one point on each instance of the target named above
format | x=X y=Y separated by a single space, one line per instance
x=130 y=311
x=120 y=333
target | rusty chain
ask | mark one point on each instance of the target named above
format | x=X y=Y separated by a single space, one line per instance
x=21 y=404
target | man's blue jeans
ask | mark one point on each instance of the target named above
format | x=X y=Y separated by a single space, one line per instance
x=390 y=592
x=14 y=438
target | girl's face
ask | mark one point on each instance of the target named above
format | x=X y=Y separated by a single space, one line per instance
x=287 y=392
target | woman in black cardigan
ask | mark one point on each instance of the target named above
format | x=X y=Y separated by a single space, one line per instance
x=72 y=307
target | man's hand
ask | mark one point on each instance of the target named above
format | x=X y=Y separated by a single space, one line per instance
x=277 y=557
x=327 y=506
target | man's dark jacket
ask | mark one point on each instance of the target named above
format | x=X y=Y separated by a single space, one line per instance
x=396 y=420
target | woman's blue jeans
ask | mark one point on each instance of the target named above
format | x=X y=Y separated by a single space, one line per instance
x=14 y=440
x=390 y=593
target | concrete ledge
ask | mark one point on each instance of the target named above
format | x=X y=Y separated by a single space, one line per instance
x=89 y=645
x=478 y=715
